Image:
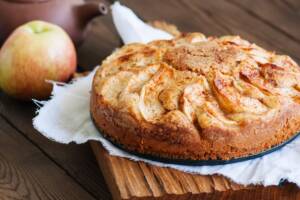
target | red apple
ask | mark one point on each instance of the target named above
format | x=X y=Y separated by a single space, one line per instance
x=34 y=53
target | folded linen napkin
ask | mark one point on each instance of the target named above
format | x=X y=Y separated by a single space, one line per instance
x=66 y=118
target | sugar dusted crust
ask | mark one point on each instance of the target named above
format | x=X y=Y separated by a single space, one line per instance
x=195 y=97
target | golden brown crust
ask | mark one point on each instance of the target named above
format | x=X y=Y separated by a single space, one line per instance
x=197 y=98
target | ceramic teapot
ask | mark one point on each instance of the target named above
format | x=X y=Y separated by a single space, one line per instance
x=71 y=15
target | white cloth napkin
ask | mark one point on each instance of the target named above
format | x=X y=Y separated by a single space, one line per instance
x=66 y=118
x=132 y=29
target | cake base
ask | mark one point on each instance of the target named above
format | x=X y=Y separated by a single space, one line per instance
x=137 y=180
x=198 y=162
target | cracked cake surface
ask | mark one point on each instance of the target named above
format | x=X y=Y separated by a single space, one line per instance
x=196 y=97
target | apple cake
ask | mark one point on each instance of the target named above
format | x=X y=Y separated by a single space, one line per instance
x=197 y=98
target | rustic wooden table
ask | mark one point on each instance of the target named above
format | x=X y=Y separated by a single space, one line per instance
x=32 y=167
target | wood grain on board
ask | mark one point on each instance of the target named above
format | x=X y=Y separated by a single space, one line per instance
x=137 y=180
x=273 y=24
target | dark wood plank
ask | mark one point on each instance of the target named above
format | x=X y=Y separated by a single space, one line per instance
x=26 y=173
x=282 y=15
x=76 y=160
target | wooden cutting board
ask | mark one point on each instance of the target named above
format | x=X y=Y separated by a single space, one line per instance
x=128 y=179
